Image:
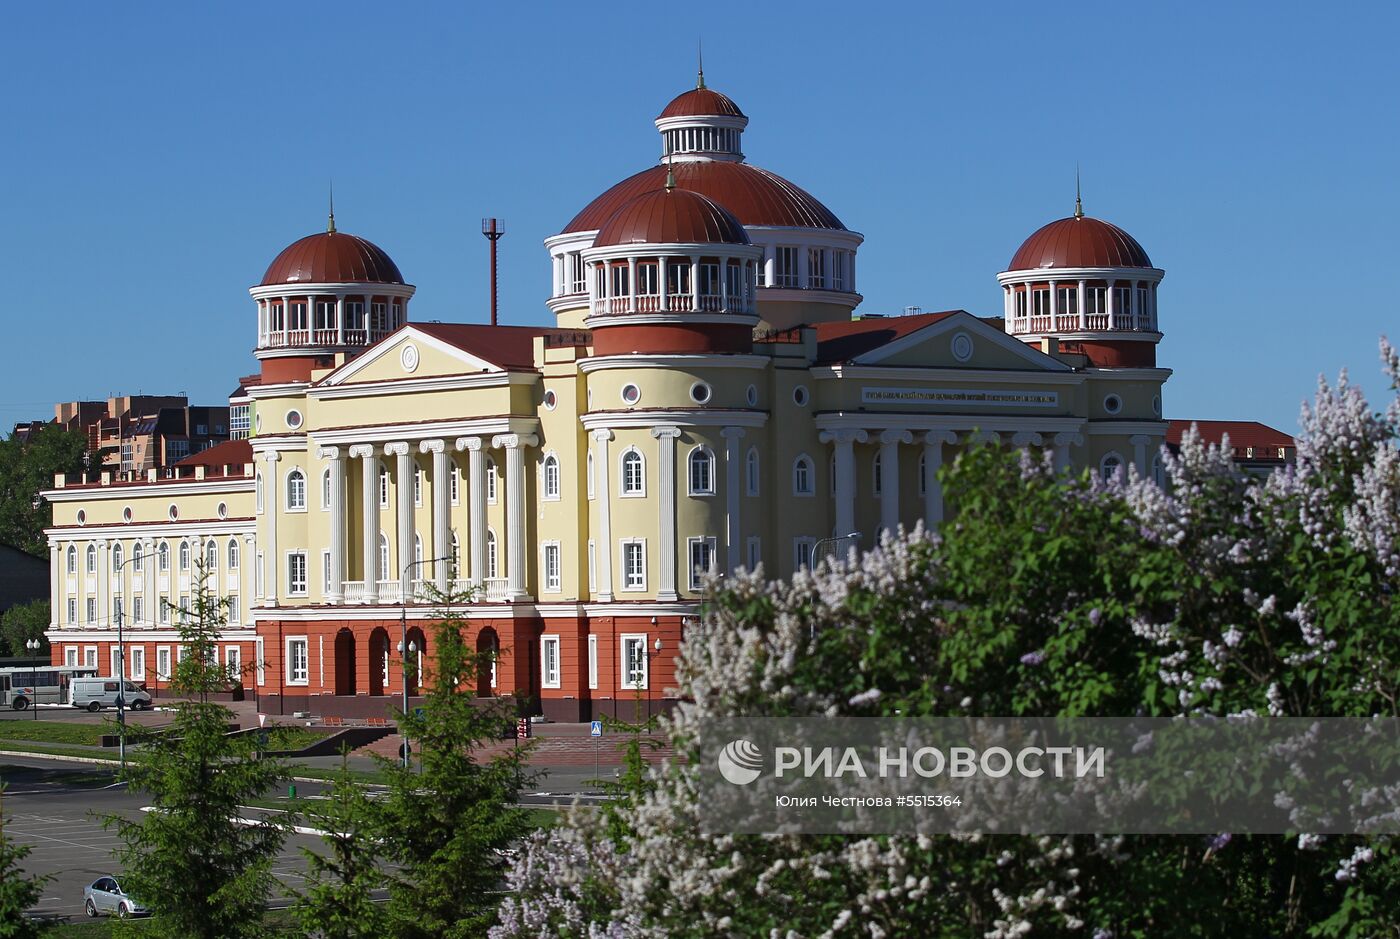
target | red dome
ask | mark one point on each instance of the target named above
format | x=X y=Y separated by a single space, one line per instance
x=755 y=196
x=701 y=102
x=671 y=216
x=1079 y=241
x=332 y=258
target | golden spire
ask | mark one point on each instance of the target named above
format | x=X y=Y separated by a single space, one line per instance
x=330 y=222
x=700 y=58
x=1078 y=201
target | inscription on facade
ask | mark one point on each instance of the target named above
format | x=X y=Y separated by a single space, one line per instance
x=986 y=397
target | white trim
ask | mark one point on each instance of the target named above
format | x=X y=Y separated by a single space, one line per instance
x=917 y=423
x=678 y=361
x=918 y=373
x=811 y=476
x=390 y=433
x=306 y=572
x=623 y=585
x=692 y=580
x=660 y=319
x=623 y=681
x=287 y=490
x=1122 y=464
x=545 y=586
x=287 y=661
x=408 y=331
x=1151 y=274
x=680 y=417
x=963 y=320
x=397 y=386
x=544 y=477
x=622 y=491
x=1104 y=427
x=709 y=453
x=545 y=680
x=592 y=661
x=138 y=490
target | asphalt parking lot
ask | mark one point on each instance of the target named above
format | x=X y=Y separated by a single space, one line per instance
x=56 y=808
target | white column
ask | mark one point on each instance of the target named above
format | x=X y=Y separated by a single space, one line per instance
x=1139 y=443
x=666 y=534
x=476 y=508
x=340 y=319
x=804 y=268
x=1133 y=307
x=403 y=485
x=102 y=582
x=152 y=601
x=55 y=585
x=369 y=495
x=1108 y=300
x=733 y=466
x=724 y=284
x=286 y=321
x=695 y=283
x=1026 y=438
x=844 y=441
x=515 y=445
x=934 y=442
x=1083 y=306
x=604 y=543
x=442 y=523
x=337 y=509
x=1054 y=304
x=661 y=284
x=826 y=269
x=889 y=476
x=631 y=285
x=1063 y=441
x=770 y=265
x=271 y=507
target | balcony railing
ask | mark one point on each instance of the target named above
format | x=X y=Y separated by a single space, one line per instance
x=492 y=590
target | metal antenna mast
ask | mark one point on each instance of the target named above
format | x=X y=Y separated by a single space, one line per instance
x=493 y=229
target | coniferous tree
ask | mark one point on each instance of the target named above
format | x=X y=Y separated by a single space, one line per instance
x=17 y=892
x=202 y=871
x=447 y=825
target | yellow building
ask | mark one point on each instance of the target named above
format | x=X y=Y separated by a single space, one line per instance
x=705 y=399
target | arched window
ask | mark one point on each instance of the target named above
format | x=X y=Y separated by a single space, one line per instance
x=877 y=480
x=163 y=557
x=211 y=556
x=923 y=474
x=383 y=486
x=72 y=559
x=490 y=553
x=1158 y=475
x=1111 y=466
x=296 y=491
x=417 y=555
x=92 y=559
x=490 y=480
x=233 y=554
x=258 y=486
x=633 y=473
x=802 y=473
x=383 y=556
x=751 y=471
x=702 y=471
x=184 y=555
x=138 y=560
x=588 y=471
x=326 y=489
x=551 y=477
x=117 y=557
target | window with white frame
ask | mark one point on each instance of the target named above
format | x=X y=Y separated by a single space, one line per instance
x=163 y=663
x=701 y=552
x=1111 y=466
x=92 y=559
x=877 y=476
x=383 y=486
x=138 y=559
x=298 y=661
x=754 y=552
x=185 y=610
x=70 y=657
x=1068 y=299
x=164 y=611
x=553 y=573
x=634 y=564
x=633 y=473
x=233 y=661
x=816 y=269
x=588 y=474
x=785 y=262
x=296 y=573
x=838 y=269
x=184 y=556
x=802 y=553
x=138 y=663
x=163 y=557
x=233 y=554
x=701 y=471
x=138 y=609
x=116 y=557
x=259 y=660
x=491 y=554
x=490 y=481
x=115 y=661
x=456 y=555
x=258 y=487
x=803 y=483
x=326 y=490
x=296 y=491
x=383 y=556
x=90 y=656
x=72 y=559
x=1094 y=301
x=118 y=610
x=417 y=556
x=592 y=661
x=91 y=609
x=551 y=477
x=648 y=279
x=234 y=614
x=454 y=482
x=549 y=662
x=1040 y=301
x=417 y=485
x=325 y=572
x=211 y=556
x=634 y=662
x=751 y=472
x=72 y=609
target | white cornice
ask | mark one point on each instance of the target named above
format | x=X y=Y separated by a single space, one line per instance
x=280 y=443
x=948 y=373
x=602 y=363
x=401 y=386
x=1103 y=428
x=277 y=291
x=140 y=532
x=594 y=321
x=355 y=612
x=1128 y=374
x=643 y=608
x=998 y=423
x=670 y=249
x=291 y=389
x=65 y=635
x=682 y=417
x=812 y=295
x=463 y=427
x=1090 y=335
x=804 y=237
x=1151 y=274
x=146 y=490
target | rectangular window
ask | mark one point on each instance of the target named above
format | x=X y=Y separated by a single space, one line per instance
x=702 y=559
x=1069 y=300
x=325 y=573
x=838 y=270
x=298 y=317
x=1019 y=304
x=678 y=280
x=90 y=656
x=785 y=259
x=91 y=610
x=709 y=280
x=383 y=488
x=634 y=564
x=118 y=611
x=802 y=553
x=549 y=661
x=72 y=609
x=138 y=610
x=592 y=568
x=162 y=663
x=634 y=662
x=648 y=280
x=578 y=273
x=234 y=614
x=593 y=661
x=296 y=573
x=118 y=666
x=298 y=669
x=354 y=314
x=1094 y=300
x=233 y=661
x=454 y=480
x=734 y=282
x=816 y=269
x=754 y=549
x=165 y=610
x=1122 y=298
x=70 y=656
x=620 y=281
x=1041 y=300
x=138 y=663
x=418 y=486
x=184 y=608
x=261 y=662
x=553 y=575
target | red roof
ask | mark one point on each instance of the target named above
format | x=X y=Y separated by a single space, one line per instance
x=671 y=216
x=701 y=102
x=1242 y=434
x=843 y=341
x=755 y=196
x=1079 y=241
x=332 y=258
x=228 y=453
x=510 y=347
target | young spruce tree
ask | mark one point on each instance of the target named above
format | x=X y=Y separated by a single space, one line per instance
x=202 y=872
x=447 y=827
x=17 y=892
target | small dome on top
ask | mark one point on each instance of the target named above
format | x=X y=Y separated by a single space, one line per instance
x=671 y=216
x=1079 y=241
x=701 y=102
x=332 y=257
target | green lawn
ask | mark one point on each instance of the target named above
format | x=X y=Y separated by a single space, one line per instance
x=54 y=732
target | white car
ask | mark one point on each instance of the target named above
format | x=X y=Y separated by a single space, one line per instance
x=105 y=895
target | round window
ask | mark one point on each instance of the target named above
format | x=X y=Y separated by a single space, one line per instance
x=174 y=511
x=1113 y=404
x=293 y=419
x=631 y=394
x=223 y=510
x=1156 y=405
x=700 y=392
x=752 y=396
x=82 y=517
x=257 y=422
x=962 y=347
x=551 y=400
x=408 y=358
x=799 y=396
x=126 y=514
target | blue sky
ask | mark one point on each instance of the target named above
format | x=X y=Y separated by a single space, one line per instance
x=158 y=156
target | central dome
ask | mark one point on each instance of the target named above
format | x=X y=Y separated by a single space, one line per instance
x=1079 y=241
x=754 y=195
x=701 y=102
x=331 y=257
x=671 y=216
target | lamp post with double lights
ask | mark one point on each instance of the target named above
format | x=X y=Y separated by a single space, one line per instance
x=407 y=648
x=33 y=646
x=833 y=540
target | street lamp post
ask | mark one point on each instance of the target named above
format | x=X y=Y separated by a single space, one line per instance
x=407 y=648
x=651 y=710
x=833 y=540
x=33 y=645
x=121 y=655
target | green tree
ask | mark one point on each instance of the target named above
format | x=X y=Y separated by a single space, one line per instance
x=26 y=468
x=203 y=872
x=23 y=622
x=17 y=892
x=448 y=826
x=338 y=903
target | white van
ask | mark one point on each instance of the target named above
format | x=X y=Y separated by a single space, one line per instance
x=97 y=693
